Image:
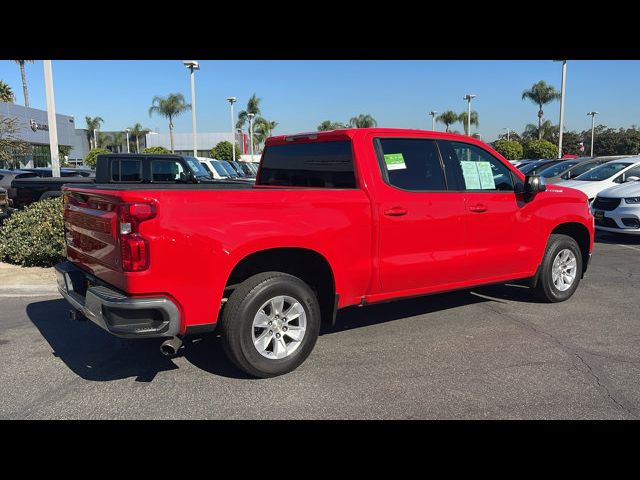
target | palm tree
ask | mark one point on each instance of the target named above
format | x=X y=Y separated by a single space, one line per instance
x=541 y=94
x=169 y=107
x=112 y=140
x=329 y=125
x=136 y=132
x=93 y=124
x=253 y=106
x=6 y=94
x=545 y=130
x=363 y=121
x=263 y=129
x=448 y=118
x=23 y=74
x=462 y=118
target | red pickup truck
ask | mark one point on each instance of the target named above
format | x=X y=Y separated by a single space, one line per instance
x=338 y=218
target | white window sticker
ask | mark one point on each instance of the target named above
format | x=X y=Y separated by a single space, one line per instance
x=394 y=161
x=486 y=176
x=471 y=176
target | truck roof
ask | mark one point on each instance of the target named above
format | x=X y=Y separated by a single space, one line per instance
x=350 y=132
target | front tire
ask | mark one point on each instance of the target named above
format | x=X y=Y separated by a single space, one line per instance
x=561 y=269
x=270 y=324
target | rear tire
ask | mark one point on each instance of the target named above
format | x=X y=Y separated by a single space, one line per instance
x=560 y=271
x=249 y=316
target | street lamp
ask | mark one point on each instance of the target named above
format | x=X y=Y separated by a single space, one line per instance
x=433 y=114
x=593 y=126
x=508 y=130
x=192 y=65
x=51 y=116
x=564 y=78
x=126 y=130
x=251 y=115
x=468 y=98
x=231 y=101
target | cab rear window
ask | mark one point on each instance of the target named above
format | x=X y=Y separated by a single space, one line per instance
x=315 y=164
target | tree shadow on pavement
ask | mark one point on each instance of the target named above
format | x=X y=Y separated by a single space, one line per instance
x=96 y=355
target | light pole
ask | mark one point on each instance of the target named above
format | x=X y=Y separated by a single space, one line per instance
x=251 y=115
x=433 y=114
x=126 y=130
x=562 y=87
x=593 y=127
x=51 y=116
x=192 y=65
x=508 y=130
x=240 y=138
x=468 y=98
x=231 y=101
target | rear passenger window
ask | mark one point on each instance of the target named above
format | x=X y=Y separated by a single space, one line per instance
x=480 y=170
x=167 y=171
x=317 y=164
x=126 y=171
x=411 y=164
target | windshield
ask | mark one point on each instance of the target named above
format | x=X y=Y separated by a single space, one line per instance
x=238 y=169
x=534 y=167
x=197 y=169
x=229 y=169
x=602 y=172
x=219 y=168
x=584 y=167
x=557 y=169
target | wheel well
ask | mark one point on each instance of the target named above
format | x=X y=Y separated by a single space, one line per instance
x=580 y=234
x=308 y=265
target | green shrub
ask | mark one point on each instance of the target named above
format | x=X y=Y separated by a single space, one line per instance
x=540 y=149
x=34 y=237
x=223 y=151
x=90 y=159
x=160 y=150
x=509 y=149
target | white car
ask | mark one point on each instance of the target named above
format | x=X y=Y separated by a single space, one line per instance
x=213 y=168
x=605 y=176
x=617 y=209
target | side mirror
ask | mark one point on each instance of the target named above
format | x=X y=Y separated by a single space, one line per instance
x=534 y=184
x=632 y=179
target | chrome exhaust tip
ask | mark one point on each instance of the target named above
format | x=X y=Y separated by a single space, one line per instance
x=171 y=346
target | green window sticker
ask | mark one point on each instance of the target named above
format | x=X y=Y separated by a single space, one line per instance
x=394 y=161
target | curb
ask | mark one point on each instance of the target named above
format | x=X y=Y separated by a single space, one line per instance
x=29 y=290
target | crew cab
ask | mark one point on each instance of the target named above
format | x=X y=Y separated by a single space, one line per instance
x=334 y=219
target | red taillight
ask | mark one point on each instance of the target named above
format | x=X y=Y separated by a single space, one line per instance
x=133 y=246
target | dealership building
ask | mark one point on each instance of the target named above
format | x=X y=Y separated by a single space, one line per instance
x=183 y=142
x=33 y=128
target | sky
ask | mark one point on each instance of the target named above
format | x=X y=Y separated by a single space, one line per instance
x=300 y=94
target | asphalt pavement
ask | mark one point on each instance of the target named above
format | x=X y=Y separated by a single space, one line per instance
x=489 y=353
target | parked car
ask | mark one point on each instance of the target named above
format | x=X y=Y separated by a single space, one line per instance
x=570 y=169
x=248 y=171
x=604 y=176
x=7 y=176
x=5 y=209
x=337 y=218
x=214 y=169
x=236 y=172
x=617 y=209
x=534 y=168
x=114 y=168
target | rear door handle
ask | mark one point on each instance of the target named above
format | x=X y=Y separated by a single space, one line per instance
x=395 y=212
x=478 y=208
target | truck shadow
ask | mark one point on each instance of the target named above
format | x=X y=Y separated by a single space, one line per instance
x=618 y=239
x=96 y=355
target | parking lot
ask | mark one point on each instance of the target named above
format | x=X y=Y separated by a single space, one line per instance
x=493 y=352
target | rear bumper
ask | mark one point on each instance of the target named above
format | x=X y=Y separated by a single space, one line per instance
x=117 y=313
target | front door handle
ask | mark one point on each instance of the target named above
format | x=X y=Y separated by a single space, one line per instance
x=478 y=208
x=395 y=212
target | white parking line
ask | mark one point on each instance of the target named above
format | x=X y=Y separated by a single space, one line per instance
x=628 y=246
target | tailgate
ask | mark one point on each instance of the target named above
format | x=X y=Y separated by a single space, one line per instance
x=90 y=223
